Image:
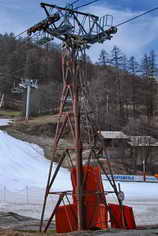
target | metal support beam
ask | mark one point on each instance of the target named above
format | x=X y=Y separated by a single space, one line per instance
x=78 y=161
x=27 y=102
x=67 y=10
x=71 y=85
x=54 y=211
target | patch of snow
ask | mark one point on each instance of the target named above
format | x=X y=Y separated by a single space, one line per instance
x=142 y=197
x=136 y=190
x=23 y=164
x=4 y=122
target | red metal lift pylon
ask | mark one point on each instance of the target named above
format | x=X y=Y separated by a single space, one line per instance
x=77 y=30
x=71 y=86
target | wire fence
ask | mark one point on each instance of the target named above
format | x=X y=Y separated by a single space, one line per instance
x=27 y=201
x=26 y=195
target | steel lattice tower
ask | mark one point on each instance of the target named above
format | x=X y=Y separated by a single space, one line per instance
x=77 y=30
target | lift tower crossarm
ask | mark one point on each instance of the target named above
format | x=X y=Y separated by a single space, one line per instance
x=76 y=28
x=68 y=9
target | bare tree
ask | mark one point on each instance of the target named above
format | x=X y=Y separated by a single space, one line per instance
x=103 y=59
x=133 y=68
x=149 y=69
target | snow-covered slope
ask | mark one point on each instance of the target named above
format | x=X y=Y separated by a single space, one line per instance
x=24 y=164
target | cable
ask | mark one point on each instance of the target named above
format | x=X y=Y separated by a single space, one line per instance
x=16 y=36
x=33 y=63
x=21 y=69
x=122 y=23
x=15 y=72
x=87 y=4
x=131 y=19
x=127 y=21
x=75 y=2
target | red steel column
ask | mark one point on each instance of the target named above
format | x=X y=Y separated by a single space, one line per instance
x=78 y=144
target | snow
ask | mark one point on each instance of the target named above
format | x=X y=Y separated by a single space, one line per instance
x=23 y=164
x=137 y=190
x=23 y=177
x=142 y=197
x=4 y=122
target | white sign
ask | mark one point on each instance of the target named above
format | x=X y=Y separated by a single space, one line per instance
x=133 y=178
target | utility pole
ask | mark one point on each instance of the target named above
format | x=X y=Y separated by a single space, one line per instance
x=144 y=171
x=107 y=103
x=28 y=84
x=27 y=102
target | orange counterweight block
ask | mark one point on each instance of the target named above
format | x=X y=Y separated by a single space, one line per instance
x=94 y=206
x=92 y=185
x=121 y=217
x=95 y=210
x=94 y=218
x=66 y=218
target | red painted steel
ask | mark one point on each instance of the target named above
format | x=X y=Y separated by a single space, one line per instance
x=94 y=218
x=94 y=205
x=93 y=190
x=116 y=211
x=66 y=218
x=95 y=210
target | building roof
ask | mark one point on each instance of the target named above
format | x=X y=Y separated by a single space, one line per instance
x=142 y=141
x=113 y=135
x=135 y=141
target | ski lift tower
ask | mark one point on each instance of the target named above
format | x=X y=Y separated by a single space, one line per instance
x=28 y=84
x=78 y=31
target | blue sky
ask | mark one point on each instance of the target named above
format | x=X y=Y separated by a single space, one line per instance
x=132 y=4
x=134 y=38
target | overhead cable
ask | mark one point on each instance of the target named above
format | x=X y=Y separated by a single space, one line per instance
x=122 y=23
x=16 y=36
x=75 y=2
x=135 y=17
x=89 y=3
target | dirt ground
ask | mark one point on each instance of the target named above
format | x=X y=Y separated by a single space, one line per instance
x=151 y=232
x=12 y=224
